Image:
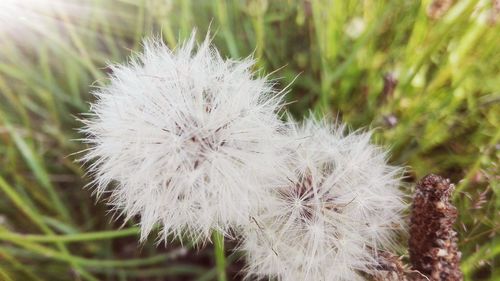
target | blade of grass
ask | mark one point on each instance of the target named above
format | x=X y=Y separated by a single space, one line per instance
x=16 y=264
x=220 y=259
x=174 y=270
x=36 y=218
x=86 y=262
x=214 y=271
x=485 y=253
x=79 y=237
x=38 y=168
x=4 y=275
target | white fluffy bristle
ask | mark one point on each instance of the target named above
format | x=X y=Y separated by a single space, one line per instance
x=184 y=139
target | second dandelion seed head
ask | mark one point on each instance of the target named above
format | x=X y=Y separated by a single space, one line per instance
x=339 y=204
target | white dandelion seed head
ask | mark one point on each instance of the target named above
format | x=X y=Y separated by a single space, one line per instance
x=341 y=203
x=185 y=139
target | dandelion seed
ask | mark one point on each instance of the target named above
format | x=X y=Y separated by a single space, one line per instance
x=184 y=139
x=338 y=208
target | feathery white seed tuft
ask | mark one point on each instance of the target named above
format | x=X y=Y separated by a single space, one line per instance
x=185 y=139
x=341 y=203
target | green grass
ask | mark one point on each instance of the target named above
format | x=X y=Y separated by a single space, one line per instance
x=441 y=115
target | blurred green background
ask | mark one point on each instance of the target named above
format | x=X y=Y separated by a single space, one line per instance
x=424 y=74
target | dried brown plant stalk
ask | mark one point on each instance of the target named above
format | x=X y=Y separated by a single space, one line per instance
x=433 y=242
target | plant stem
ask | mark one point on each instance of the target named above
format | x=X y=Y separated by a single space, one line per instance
x=48 y=253
x=37 y=219
x=220 y=259
x=213 y=272
x=89 y=236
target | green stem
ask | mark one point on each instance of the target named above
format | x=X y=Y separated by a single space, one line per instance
x=485 y=253
x=37 y=219
x=36 y=165
x=48 y=253
x=90 y=236
x=17 y=265
x=213 y=272
x=220 y=259
x=5 y=276
x=222 y=14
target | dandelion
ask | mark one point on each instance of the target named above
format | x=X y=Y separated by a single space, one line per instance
x=185 y=139
x=339 y=207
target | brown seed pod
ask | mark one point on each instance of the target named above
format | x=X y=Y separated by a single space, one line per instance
x=433 y=242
